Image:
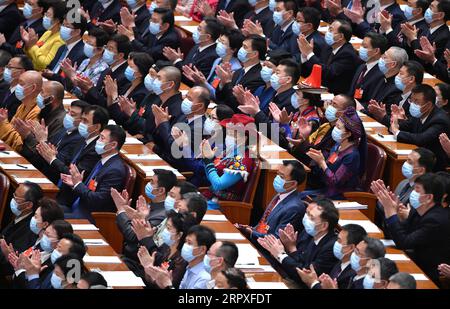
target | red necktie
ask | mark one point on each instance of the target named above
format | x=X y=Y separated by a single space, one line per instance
x=262 y=226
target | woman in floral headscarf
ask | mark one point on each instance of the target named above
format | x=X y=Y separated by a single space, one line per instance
x=342 y=169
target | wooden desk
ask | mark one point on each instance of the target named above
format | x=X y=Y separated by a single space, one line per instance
x=50 y=190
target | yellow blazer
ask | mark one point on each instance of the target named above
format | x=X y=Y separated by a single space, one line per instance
x=7 y=132
x=43 y=52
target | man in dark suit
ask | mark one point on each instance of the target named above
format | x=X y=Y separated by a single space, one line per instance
x=253 y=50
x=347 y=240
x=284 y=17
x=261 y=13
x=238 y=7
x=314 y=245
x=10 y=18
x=368 y=76
x=138 y=14
x=16 y=66
x=33 y=20
x=427 y=227
x=104 y=10
x=285 y=208
x=161 y=34
x=85 y=158
x=115 y=55
x=65 y=146
x=157 y=190
x=308 y=21
x=203 y=54
x=73 y=50
x=4 y=60
x=338 y=62
x=425 y=125
x=94 y=192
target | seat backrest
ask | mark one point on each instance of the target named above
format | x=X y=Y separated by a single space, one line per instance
x=106 y=223
x=186 y=42
x=131 y=179
x=4 y=191
x=252 y=182
x=376 y=161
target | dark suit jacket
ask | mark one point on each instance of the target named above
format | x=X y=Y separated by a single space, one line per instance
x=423 y=235
x=439 y=37
x=4 y=90
x=283 y=39
x=113 y=174
x=357 y=284
x=290 y=210
x=97 y=95
x=149 y=44
x=19 y=234
x=137 y=122
x=142 y=19
x=21 y=282
x=319 y=46
x=10 y=18
x=265 y=19
x=41 y=282
x=85 y=162
x=320 y=255
x=111 y=12
x=11 y=103
x=396 y=38
x=10 y=45
x=369 y=83
x=412 y=131
x=337 y=71
x=137 y=95
x=238 y=7
x=131 y=243
x=343 y=277
x=251 y=80
x=388 y=93
x=202 y=60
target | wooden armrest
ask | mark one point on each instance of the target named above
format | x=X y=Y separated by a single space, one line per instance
x=236 y=211
x=364 y=198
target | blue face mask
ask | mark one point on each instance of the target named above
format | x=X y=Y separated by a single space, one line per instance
x=166 y=237
x=68 y=122
x=15 y=207
x=252 y=2
x=278 y=184
x=40 y=101
x=149 y=190
x=207 y=263
x=309 y=225
x=20 y=92
x=414 y=110
x=46 y=244
x=157 y=84
x=296 y=28
x=27 y=11
x=132 y=4
x=100 y=147
x=169 y=203
x=414 y=199
x=275 y=82
x=7 y=75
x=399 y=83
x=187 y=253
x=88 y=50
x=83 y=130
x=148 y=82
x=152 y=7
x=407 y=170
x=428 y=16
x=186 y=106
x=364 y=54
x=65 y=33
x=408 y=12
x=329 y=38
x=337 y=250
x=330 y=113
x=108 y=56
x=129 y=74
x=266 y=74
x=221 y=50
x=278 y=18
x=34 y=226
x=336 y=134
x=294 y=100
x=56 y=282
x=47 y=22
x=196 y=36
x=242 y=55
x=272 y=5
x=55 y=255
x=209 y=126
x=354 y=262
x=154 y=28
x=382 y=66
x=368 y=282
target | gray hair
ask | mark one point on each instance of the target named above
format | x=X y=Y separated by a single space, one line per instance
x=399 y=55
x=404 y=280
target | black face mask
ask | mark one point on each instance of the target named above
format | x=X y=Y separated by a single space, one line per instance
x=47 y=108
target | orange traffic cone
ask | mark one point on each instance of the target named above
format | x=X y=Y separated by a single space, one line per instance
x=315 y=79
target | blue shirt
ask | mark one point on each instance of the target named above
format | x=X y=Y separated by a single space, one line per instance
x=195 y=277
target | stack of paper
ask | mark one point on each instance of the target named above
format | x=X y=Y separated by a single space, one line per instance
x=388 y=242
x=267 y=285
x=121 y=278
x=366 y=224
x=149 y=169
x=403 y=152
x=132 y=141
x=95 y=242
x=275 y=161
x=35 y=180
x=9 y=154
x=348 y=205
x=143 y=157
x=182 y=18
x=419 y=277
x=247 y=255
x=373 y=124
x=208 y=217
x=384 y=138
x=229 y=236
x=190 y=29
x=29 y=167
x=355 y=40
x=84 y=227
x=396 y=257
x=102 y=259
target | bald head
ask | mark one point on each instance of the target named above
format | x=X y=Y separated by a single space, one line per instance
x=199 y=95
x=55 y=90
x=31 y=81
x=171 y=73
